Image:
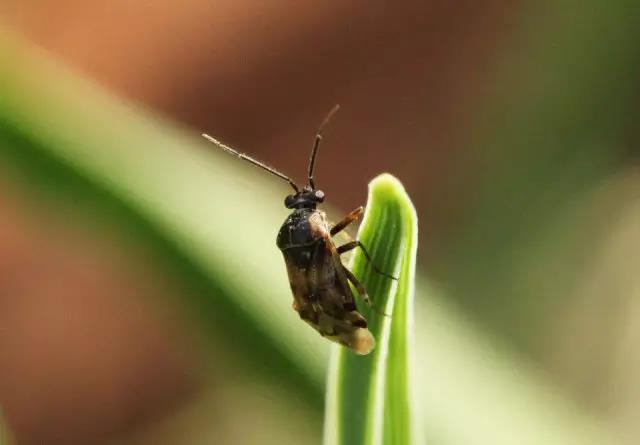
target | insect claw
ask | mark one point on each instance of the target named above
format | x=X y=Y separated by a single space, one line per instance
x=380 y=312
x=367 y=300
x=384 y=274
x=353 y=244
x=378 y=270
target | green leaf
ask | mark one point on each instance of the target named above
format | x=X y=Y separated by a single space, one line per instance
x=370 y=398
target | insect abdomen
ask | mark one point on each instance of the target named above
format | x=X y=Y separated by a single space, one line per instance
x=349 y=329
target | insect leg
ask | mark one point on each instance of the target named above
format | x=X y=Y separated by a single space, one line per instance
x=351 y=217
x=358 y=285
x=360 y=288
x=352 y=245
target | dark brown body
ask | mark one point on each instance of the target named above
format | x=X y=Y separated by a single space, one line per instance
x=320 y=282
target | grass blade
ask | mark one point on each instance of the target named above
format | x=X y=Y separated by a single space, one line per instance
x=369 y=399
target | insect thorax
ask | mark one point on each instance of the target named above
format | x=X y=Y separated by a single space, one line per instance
x=303 y=227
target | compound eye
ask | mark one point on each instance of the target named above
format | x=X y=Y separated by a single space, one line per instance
x=319 y=195
x=289 y=201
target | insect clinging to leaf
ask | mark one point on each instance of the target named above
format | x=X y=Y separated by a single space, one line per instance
x=319 y=280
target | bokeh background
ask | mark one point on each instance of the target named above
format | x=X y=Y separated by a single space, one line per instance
x=142 y=299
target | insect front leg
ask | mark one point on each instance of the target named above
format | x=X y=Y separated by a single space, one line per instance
x=351 y=217
x=352 y=245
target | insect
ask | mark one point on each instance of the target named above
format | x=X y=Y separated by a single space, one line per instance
x=319 y=280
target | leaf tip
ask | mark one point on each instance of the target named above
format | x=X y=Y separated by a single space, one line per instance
x=388 y=184
x=386 y=180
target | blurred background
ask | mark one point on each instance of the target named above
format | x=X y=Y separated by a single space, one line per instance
x=142 y=298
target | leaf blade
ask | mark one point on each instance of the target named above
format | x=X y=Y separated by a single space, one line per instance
x=400 y=407
x=358 y=386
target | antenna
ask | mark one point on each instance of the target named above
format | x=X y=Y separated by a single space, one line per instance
x=316 y=144
x=255 y=162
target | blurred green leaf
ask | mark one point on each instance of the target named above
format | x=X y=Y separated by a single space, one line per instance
x=370 y=398
x=558 y=118
x=4 y=433
x=474 y=391
x=170 y=192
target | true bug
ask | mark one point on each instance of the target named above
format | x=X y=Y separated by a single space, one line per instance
x=319 y=281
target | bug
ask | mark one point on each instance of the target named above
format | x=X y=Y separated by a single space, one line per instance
x=319 y=280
